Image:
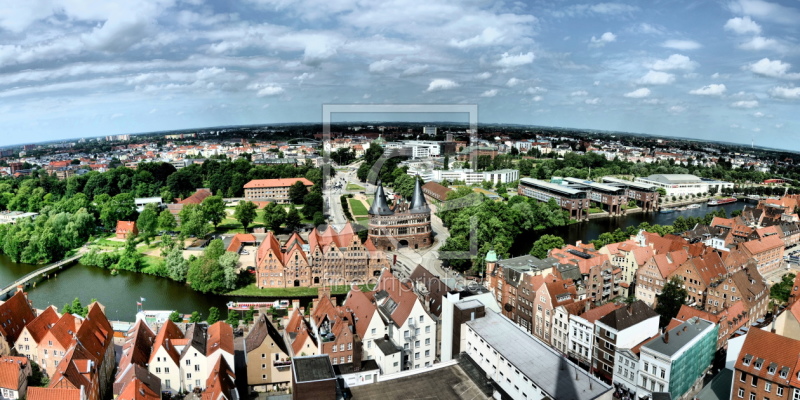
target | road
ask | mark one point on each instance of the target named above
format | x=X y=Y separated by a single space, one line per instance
x=333 y=191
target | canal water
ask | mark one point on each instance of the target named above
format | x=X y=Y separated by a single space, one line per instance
x=120 y=293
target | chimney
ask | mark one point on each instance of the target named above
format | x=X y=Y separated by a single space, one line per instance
x=666 y=337
x=587 y=306
x=296 y=303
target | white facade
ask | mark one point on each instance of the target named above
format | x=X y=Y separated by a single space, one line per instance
x=468 y=176
x=417 y=337
x=561 y=329
x=633 y=335
x=166 y=369
x=194 y=369
x=581 y=339
x=419 y=148
x=627 y=365
x=684 y=184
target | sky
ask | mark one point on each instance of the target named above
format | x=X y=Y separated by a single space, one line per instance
x=719 y=70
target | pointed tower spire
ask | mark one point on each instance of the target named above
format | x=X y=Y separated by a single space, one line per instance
x=379 y=204
x=418 y=203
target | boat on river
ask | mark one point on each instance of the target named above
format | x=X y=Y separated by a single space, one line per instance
x=691 y=206
x=244 y=306
x=719 y=202
x=667 y=211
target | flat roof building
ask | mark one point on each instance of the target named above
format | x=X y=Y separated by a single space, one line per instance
x=575 y=201
x=523 y=366
x=685 y=184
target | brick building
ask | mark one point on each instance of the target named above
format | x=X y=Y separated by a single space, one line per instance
x=276 y=190
x=404 y=225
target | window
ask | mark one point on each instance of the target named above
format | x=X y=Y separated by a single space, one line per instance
x=752 y=396
x=754 y=381
x=421 y=318
x=663 y=373
x=341 y=347
x=741 y=393
x=428 y=329
x=779 y=391
x=416 y=356
x=742 y=376
x=427 y=353
x=197 y=367
x=374 y=331
x=767 y=387
x=427 y=341
x=646 y=366
x=168 y=383
x=158 y=371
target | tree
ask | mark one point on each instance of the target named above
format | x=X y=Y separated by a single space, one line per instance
x=297 y=191
x=312 y=204
x=245 y=213
x=193 y=220
x=177 y=267
x=274 y=216
x=38 y=377
x=147 y=223
x=780 y=291
x=233 y=319
x=292 y=219
x=249 y=315
x=196 y=317
x=213 y=315
x=544 y=244
x=166 y=221
x=213 y=208
x=446 y=162
x=672 y=297
x=175 y=317
x=130 y=260
x=75 y=308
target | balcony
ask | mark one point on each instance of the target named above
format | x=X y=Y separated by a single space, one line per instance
x=282 y=364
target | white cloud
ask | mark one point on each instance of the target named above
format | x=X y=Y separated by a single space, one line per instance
x=117 y=115
x=441 y=84
x=765 y=10
x=513 y=82
x=652 y=101
x=772 y=69
x=266 y=89
x=415 y=70
x=745 y=104
x=742 y=25
x=758 y=114
x=384 y=65
x=783 y=92
x=710 y=90
x=717 y=75
x=489 y=93
x=514 y=60
x=656 y=78
x=638 y=93
x=366 y=96
x=675 y=61
x=535 y=90
x=487 y=37
x=579 y=93
x=303 y=77
x=681 y=44
x=677 y=109
x=118 y=33
x=537 y=98
x=593 y=101
x=484 y=75
x=758 y=43
x=605 y=38
x=594 y=9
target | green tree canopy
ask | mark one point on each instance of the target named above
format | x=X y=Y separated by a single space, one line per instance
x=175 y=317
x=297 y=192
x=166 y=221
x=245 y=213
x=544 y=244
x=213 y=208
x=147 y=223
x=196 y=317
x=672 y=297
x=293 y=220
x=213 y=315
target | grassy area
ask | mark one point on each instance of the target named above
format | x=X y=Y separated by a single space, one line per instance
x=109 y=243
x=252 y=290
x=595 y=210
x=369 y=200
x=627 y=207
x=153 y=265
x=352 y=186
x=357 y=207
x=363 y=221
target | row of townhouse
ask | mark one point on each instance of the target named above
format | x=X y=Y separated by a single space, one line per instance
x=77 y=353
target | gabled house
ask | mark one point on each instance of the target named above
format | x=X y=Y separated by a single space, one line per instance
x=268 y=356
x=14 y=373
x=165 y=357
x=124 y=228
x=15 y=314
x=624 y=328
x=28 y=341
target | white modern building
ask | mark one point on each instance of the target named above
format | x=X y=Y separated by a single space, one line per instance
x=468 y=176
x=525 y=367
x=684 y=184
x=141 y=202
x=418 y=148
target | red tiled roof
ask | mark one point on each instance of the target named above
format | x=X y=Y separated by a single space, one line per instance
x=15 y=314
x=239 y=239
x=400 y=293
x=125 y=226
x=772 y=348
x=42 y=323
x=363 y=308
x=762 y=245
x=10 y=368
x=168 y=332
x=599 y=312
x=272 y=183
x=37 y=393
x=197 y=197
x=137 y=390
x=220 y=382
x=220 y=337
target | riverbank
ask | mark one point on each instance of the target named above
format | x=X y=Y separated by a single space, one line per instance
x=252 y=291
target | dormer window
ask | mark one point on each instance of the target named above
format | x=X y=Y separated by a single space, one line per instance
x=785 y=373
x=759 y=362
x=747 y=359
x=771 y=369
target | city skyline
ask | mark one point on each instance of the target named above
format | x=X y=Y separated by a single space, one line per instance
x=715 y=71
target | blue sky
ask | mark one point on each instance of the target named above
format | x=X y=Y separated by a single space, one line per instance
x=726 y=70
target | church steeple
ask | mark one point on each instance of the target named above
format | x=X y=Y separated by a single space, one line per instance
x=418 y=203
x=379 y=204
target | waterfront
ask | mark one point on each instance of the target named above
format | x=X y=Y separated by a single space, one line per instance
x=590 y=230
x=121 y=292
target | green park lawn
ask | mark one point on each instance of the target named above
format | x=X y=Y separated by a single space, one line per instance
x=357 y=207
x=353 y=186
x=252 y=290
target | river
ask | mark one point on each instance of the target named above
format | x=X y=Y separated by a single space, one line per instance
x=590 y=230
x=120 y=293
